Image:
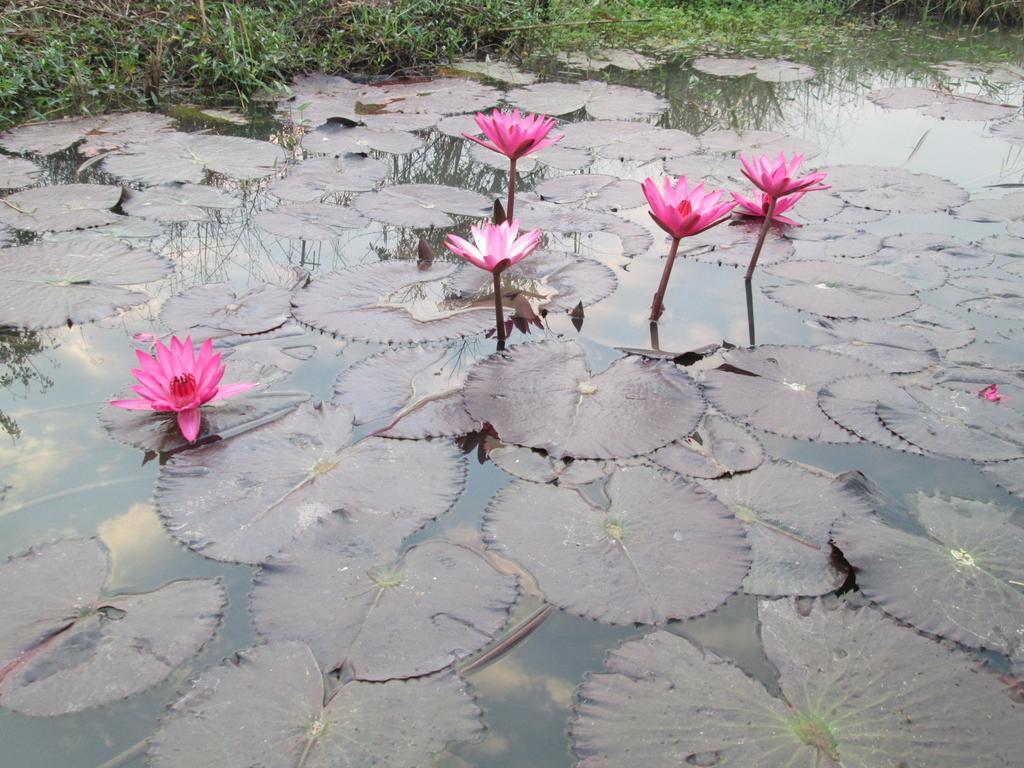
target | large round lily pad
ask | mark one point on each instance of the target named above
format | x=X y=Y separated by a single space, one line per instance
x=732 y=245
x=963 y=580
x=663 y=549
x=1006 y=474
x=318 y=178
x=177 y=202
x=310 y=221
x=728 y=140
x=839 y=290
x=99 y=133
x=594 y=191
x=602 y=101
x=60 y=208
x=788 y=511
x=393 y=301
x=717 y=447
x=266 y=707
x=338 y=139
x=628 y=141
x=188 y=157
x=381 y=615
x=16 y=172
x=897 y=190
x=994 y=209
x=942 y=328
x=219 y=307
x=421 y=205
x=443 y=96
x=775 y=388
x=242 y=500
x=826 y=240
x=852 y=404
x=854 y=690
x=76 y=281
x=556 y=403
x=68 y=646
x=768 y=70
x=537 y=467
x=636 y=240
x=883 y=345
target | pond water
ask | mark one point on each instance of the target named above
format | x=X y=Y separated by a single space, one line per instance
x=919 y=275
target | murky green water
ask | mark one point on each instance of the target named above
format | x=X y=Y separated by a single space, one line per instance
x=68 y=478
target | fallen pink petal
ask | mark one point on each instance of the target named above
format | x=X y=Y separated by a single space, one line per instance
x=991 y=393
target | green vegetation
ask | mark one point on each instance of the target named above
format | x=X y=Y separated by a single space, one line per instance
x=59 y=56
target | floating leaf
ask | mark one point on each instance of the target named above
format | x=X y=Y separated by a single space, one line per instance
x=392 y=301
x=538 y=467
x=340 y=139
x=955 y=423
x=855 y=690
x=943 y=329
x=962 y=581
x=1005 y=245
x=60 y=208
x=732 y=244
x=310 y=221
x=608 y=57
x=718 y=447
x=501 y=71
x=918 y=269
x=125 y=230
x=382 y=616
x=1012 y=131
x=1006 y=307
x=550 y=217
x=628 y=141
x=1006 y=474
x=265 y=706
x=16 y=172
x=629 y=409
x=443 y=96
x=732 y=141
x=418 y=389
x=946 y=251
x=882 y=345
x=893 y=189
x=100 y=133
x=68 y=646
x=593 y=191
x=1006 y=354
x=663 y=549
x=995 y=73
x=242 y=500
x=821 y=241
x=456 y=125
x=775 y=388
x=421 y=205
x=177 y=202
x=788 y=511
x=839 y=290
x=907 y=98
x=316 y=178
x=187 y=157
x=996 y=209
x=497 y=161
x=77 y=281
x=768 y=70
x=219 y=307
x=602 y=101
x=852 y=403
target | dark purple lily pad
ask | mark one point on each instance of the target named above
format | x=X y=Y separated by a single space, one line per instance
x=67 y=645
x=242 y=500
x=60 y=208
x=382 y=615
x=962 y=581
x=317 y=178
x=891 y=189
x=776 y=389
x=177 y=202
x=188 y=157
x=392 y=302
x=592 y=191
x=715 y=171
x=421 y=205
x=47 y=285
x=955 y=423
x=340 y=139
x=628 y=141
x=838 y=290
x=663 y=549
x=602 y=101
x=1001 y=354
x=268 y=706
x=16 y=172
x=310 y=221
x=418 y=389
x=664 y=701
x=629 y=409
x=218 y=306
x=788 y=511
x=717 y=447
x=852 y=404
x=538 y=467
x=882 y=345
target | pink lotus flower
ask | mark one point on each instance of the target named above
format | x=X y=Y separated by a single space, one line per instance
x=758 y=210
x=777 y=178
x=991 y=393
x=495 y=245
x=176 y=380
x=514 y=134
x=684 y=212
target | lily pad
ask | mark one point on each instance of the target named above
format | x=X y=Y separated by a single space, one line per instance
x=538 y=467
x=955 y=423
x=882 y=345
x=831 y=241
x=962 y=580
x=663 y=549
x=218 y=306
x=1006 y=474
x=664 y=701
x=602 y=101
x=970 y=108
x=731 y=141
x=177 y=202
x=768 y=70
x=560 y=406
x=1001 y=354
x=852 y=403
x=125 y=230
x=717 y=447
x=732 y=244
x=188 y=157
x=840 y=290
x=268 y=706
x=340 y=139
x=942 y=328
x=382 y=615
x=891 y=189
x=47 y=285
x=993 y=72
x=550 y=217
x=1012 y=131
x=501 y=71
x=628 y=141
x=442 y=96
x=593 y=191
x=907 y=98
x=60 y=208
x=1006 y=307
x=608 y=57
x=69 y=646
x=788 y=511
x=310 y=221
x=421 y=205
x=1005 y=245
x=918 y=270
x=99 y=132
x=775 y=388
x=16 y=172
x=392 y=302
x=418 y=389
x=994 y=209
x=242 y=500
x=946 y=251
x=317 y=178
